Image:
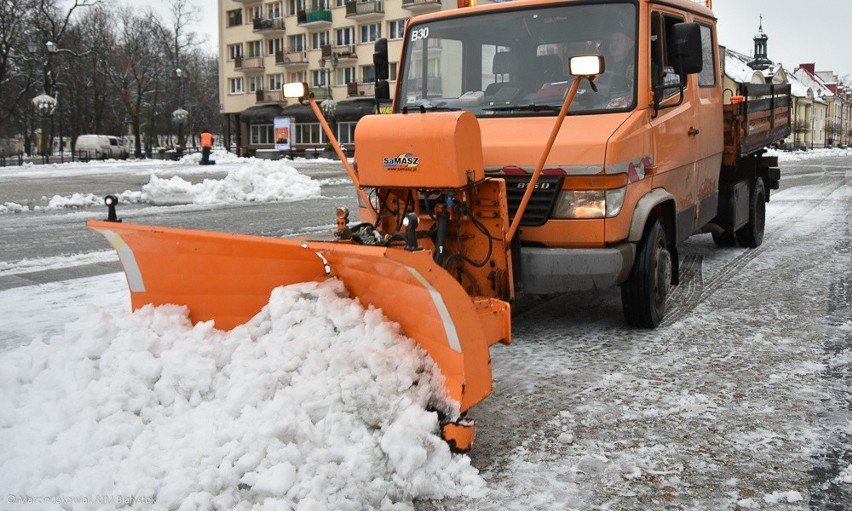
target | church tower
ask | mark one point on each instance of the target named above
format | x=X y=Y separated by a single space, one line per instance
x=761 y=61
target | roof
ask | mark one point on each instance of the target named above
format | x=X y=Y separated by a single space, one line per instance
x=737 y=69
x=820 y=89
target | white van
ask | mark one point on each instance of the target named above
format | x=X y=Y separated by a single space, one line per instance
x=99 y=147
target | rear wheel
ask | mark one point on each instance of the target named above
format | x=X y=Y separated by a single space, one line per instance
x=644 y=293
x=751 y=234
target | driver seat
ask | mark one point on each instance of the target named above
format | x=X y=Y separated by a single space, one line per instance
x=502 y=92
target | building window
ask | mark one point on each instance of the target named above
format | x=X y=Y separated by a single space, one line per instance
x=297 y=42
x=274 y=10
x=235 y=17
x=297 y=76
x=346 y=132
x=340 y=3
x=318 y=40
x=260 y=134
x=318 y=77
x=235 y=51
x=255 y=48
x=255 y=12
x=236 y=85
x=396 y=28
x=371 y=33
x=392 y=70
x=276 y=81
x=255 y=83
x=344 y=36
x=294 y=6
x=368 y=74
x=345 y=75
x=308 y=133
x=273 y=46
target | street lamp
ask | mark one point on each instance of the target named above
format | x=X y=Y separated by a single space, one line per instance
x=333 y=60
x=180 y=115
x=45 y=105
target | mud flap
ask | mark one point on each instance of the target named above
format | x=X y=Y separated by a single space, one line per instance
x=228 y=278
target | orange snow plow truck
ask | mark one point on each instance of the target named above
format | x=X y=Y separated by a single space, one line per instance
x=534 y=147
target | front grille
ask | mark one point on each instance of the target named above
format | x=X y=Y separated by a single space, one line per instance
x=541 y=202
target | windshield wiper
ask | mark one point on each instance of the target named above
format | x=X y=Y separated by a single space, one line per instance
x=428 y=108
x=532 y=107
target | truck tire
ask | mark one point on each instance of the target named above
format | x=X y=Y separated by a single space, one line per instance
x=644 y=293
x=751 y=234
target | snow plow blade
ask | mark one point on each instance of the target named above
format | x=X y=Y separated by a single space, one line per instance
x=228 y=278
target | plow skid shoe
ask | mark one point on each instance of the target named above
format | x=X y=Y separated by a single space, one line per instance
x=228 y=278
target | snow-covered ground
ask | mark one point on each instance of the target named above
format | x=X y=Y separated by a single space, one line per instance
x=317 y=403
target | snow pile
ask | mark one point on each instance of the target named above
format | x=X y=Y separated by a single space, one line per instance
x=261 y=181
x=316 y=403
x=218 y=155
x=253 y=180
x=12 y=207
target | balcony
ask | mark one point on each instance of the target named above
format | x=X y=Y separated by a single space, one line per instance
x=354 y=89
x=292 y=58
x=267 y=26
x=421 y=5
x=320 y=92
x=265 y=97
x=345 y=52
x=315 y=19
x=248 y=63
x=358 y=10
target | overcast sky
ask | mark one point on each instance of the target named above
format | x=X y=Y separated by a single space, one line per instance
x=799 y=31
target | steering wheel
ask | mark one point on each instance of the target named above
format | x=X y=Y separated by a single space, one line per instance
x=610 y=86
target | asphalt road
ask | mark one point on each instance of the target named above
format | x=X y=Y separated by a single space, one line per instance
x=742 y=399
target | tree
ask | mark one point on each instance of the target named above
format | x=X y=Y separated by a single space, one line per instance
x=114 y=71
x=133 y=65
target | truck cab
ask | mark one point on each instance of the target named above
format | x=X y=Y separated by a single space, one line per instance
x=642 y=144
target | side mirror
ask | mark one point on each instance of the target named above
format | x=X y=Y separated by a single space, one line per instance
x=586 y=65
x=380 y=59
x=686 y=41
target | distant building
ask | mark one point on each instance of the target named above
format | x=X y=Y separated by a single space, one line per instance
x=328 y=44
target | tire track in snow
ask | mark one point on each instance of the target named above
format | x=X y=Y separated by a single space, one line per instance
x=696 y=289
x=832 y=470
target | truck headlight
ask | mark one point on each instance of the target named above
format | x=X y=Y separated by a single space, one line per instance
x=589 y=203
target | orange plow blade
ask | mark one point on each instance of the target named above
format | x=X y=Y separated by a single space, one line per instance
x=228 y=278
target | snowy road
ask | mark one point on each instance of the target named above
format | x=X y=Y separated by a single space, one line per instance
x=742 y=399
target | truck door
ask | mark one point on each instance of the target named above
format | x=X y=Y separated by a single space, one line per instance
x=673 y=127
x=709 y=139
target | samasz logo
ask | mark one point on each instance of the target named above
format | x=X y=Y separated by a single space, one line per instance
x=403 y=162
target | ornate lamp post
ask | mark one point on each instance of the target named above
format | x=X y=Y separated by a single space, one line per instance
x=329 y=109
x=328 y=72
x=180 y=115
x=45 y=105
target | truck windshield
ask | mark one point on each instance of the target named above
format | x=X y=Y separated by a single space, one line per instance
x=515 y=62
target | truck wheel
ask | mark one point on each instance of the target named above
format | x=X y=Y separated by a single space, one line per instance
x=751 y=234
x=644 y=293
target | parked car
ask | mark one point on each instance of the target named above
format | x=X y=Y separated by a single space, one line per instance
x=100 y=147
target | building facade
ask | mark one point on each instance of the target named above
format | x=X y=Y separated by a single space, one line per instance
x=328 y=44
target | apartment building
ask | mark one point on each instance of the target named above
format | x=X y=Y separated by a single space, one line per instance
x=328 y=44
